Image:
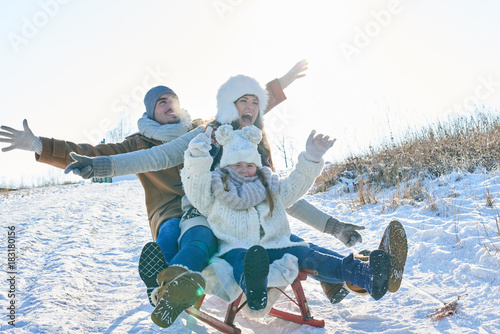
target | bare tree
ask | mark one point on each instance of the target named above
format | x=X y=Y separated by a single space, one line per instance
x=286 y=148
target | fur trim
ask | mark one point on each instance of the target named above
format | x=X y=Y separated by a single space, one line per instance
x=231 y=91
x=360 y=292
x=273 y=295
x=154 y=295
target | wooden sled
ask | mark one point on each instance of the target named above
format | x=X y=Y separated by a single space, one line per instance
x=228 y=326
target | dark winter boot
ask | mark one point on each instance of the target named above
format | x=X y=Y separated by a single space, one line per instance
x=255 y=271
x=372 y=276
x=335 y=292
x=395 y=244
x=364 y=255
x=151 y=263
x=180 y=293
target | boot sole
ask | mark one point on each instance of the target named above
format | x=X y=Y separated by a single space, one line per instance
x=182 y=292
x=255 y=270
x=335 y=292
x=151 y=263
x=380 y=263
x=395 y=244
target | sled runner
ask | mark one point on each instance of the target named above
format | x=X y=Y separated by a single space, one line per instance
x=228 y=326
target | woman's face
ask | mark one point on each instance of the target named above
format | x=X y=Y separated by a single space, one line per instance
x=244 y=168
x=248 y=109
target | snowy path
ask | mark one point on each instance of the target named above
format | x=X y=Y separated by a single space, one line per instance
x=78 y=247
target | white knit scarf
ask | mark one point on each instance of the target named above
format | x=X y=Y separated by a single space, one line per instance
x=244 y=192
x=166 y=132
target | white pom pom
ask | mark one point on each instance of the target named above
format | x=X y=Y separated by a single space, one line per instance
x=224 y=134
x=252 y=133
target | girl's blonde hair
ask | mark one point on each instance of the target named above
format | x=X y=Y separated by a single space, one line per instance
x=269 y=195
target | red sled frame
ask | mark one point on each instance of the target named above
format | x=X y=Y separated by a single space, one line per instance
x=228 y=326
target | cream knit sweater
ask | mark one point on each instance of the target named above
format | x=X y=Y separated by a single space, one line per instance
x=241 y=228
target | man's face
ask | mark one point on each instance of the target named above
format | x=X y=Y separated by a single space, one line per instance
x=167 y=109
x=248 y=109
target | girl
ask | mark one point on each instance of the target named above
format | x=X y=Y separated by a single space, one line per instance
x=245 y=203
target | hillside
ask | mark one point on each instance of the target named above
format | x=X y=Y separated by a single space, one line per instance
x=77 y=249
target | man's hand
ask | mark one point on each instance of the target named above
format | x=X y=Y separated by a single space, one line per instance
x=347 y=233
x=18 y=139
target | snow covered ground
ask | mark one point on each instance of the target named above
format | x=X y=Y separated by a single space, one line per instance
x=78 y=247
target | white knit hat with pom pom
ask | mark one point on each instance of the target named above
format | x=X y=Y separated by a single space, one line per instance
x=239 y=145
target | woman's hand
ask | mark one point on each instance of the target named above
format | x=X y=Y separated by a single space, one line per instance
x=295 y=73
x=90 y=167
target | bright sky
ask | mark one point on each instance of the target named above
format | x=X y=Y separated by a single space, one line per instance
x=71 y=67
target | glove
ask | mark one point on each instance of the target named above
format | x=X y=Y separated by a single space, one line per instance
x=23 y=140
x=294 y=73
x=90 y=167
x=345 y=232
x=316 y=146
x=200 y=145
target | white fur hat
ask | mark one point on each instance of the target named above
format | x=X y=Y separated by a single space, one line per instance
x=231 y=91
x=239 y=145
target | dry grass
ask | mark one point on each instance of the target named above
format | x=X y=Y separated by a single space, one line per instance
x=491 y=246
x=490 y=198
x=447 y=310
x=461 y=144
x=497 y=221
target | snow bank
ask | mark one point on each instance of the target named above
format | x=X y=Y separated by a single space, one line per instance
x=78 y=245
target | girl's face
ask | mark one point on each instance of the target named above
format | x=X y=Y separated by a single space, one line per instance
x=248 y=109
x=244 y=168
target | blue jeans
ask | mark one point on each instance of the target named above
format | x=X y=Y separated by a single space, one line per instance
x=197 y=246
x=319 y=249
x=327 y=266
x=168 y=235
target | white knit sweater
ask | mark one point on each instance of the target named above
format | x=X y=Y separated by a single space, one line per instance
x=241 y=228
x=159 y=157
